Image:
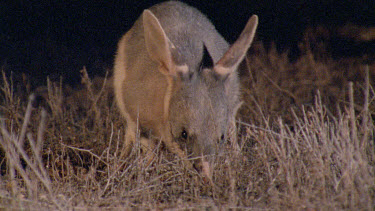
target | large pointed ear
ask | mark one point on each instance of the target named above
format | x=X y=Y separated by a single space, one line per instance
x=157 y=43
x=233 y=57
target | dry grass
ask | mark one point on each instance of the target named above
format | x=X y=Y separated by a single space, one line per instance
x=307 y=143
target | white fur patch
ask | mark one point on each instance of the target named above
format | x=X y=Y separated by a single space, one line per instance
x=223 y=71
x=184 y=69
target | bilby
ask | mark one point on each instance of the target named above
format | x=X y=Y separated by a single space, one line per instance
x=175 y=77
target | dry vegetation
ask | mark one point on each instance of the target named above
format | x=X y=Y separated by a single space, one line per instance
x=306 y=132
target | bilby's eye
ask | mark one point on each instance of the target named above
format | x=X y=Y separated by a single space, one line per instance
x=184 y=134
x=222 y=137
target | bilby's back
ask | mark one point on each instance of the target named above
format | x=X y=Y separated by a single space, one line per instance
x=188 y=29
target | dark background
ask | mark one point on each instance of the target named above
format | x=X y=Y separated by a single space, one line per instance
x=57 y=38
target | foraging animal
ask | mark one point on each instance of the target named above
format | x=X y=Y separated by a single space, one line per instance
x=176 y=77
